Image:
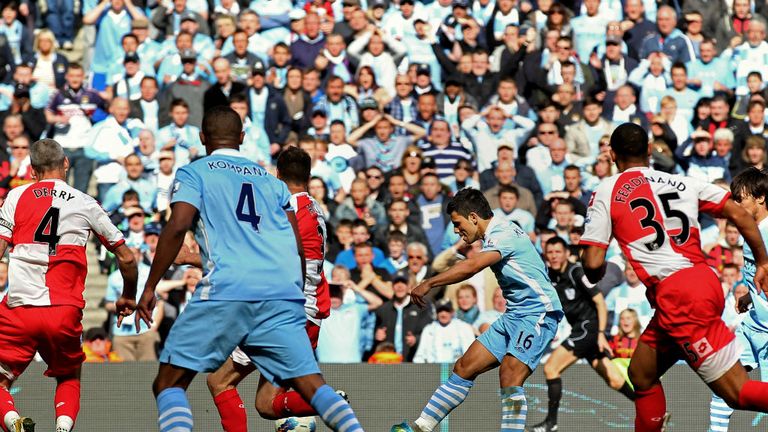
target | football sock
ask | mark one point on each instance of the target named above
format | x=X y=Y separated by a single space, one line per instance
x=291 y=404
x=627 y=391
x=174 y=413
x=447 y=397
x=650 y=407
x=513 y=409
x=67 y=401
x=8 y=411
x=232 y=411
x=554 y=393
x=719 y=414
x=335 y=411
x=754 y=396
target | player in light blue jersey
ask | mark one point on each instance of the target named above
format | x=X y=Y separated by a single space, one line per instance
x=251 y=292
x=750 y=191
x=518 y=339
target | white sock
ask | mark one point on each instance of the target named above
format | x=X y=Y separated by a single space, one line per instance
x=9 y=418
x=426 y=424
x=64 y=424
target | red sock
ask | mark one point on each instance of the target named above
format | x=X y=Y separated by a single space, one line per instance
x=754 y=396
x=650 y=407
x=67 y=398
x=291 y=404
x=232 y=411
x=6 y=406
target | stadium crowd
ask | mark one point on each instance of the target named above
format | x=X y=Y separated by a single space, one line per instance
x=400 y=104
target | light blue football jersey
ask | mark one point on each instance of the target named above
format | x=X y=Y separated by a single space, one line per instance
x=247 y=244
x=757 y=319
x=521 y=272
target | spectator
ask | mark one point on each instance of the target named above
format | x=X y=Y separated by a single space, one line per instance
x=750 y=56
x=509 y=196
x=353 y=233
x=32 y=119
x=341 y=338
x=433 y=202
x=400 y=322
x=20 y=172
x=377 y=280
x=18 y=37
x=220 y=92
x=130 y=343
x=589 y=29
x=179 y=136
x=709 y=72
x=583 y=137
x=359 y=205
x=443 y=150
x=189 y=86
x=98 y=348
x=551 y=176
x=167 y=20
x=719 y=118
x=754 y=91
x=385 y=150
x=623 y=108
x=624 y=342
x=724 y=250
x=149 y=51
x=685 y=97
x=133 y=181
x=463 y=177
x=48 y=67
x=492 y=128
x=396 y=254
x=732 y=28
x=466 y=302
x=127 y=83
x=628 y=295
x=398 y=212
x=756 y=118
x=418 y=268
x=488 y=317
x=668 y=40
x=755 y=153
x=506 y=175
x=241 y=59
x=700 y=161
x=337 y=105
x=452 y=99
x=637 y=25
x=445 y=339
x=147 y=107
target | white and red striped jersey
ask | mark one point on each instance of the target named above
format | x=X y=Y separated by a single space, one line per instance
x=312 y=231
x=47 y=225
x=654 y=217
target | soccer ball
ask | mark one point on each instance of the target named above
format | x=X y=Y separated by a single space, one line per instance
x=298 y=424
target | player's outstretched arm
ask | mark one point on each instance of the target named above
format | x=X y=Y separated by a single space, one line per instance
x=126 y=263
x=168 y=245
x=594 y=263
x=751 y=233
x=462 y=271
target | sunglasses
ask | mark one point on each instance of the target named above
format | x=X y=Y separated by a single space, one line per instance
x=374 y=177
x=543 y=132
x=415 y=257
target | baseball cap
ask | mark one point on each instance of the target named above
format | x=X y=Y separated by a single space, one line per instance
x=460 y=3
x=94 y=333
x=297 y=14
x=152 y=229
x=140 y=23
x=423 y=69
x=700 y=135
x=428 y=162
x=133 y=211
x=369 y=103
x=444 y=305
x=400 y=277
x=131 y=57
x=319 y=112
x=378 y=3
x=613 y=39
x=259 y=68
x=189 y=16
x=188 y=54
x=420 y=16
x=454 y=79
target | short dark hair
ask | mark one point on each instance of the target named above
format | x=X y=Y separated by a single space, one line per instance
x=222 y=123
x=178 y=102
x=397 y=201
x=294 y=166
x=397 y=236
x=754 y=102
x=572 y=168
x=556 y=240
x=130 y=193
x=238 y=98
x=629 y=141
x=468 y=201
x=357 y=223
x=750 y=182
x=149 y=78
x=680 y=65
x=365 y=244
x=509 y=189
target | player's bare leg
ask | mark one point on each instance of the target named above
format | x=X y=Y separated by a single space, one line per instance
x=332 y=408
x=67 y=400
x=169 y=387
x=560 y=360
x=645 y=369
x=739 y=392
x=450 y=395
x=223 y=387
x=611 y=375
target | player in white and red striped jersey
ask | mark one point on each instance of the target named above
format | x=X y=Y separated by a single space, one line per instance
x=47 y=224
x=293 y=167
x=654 y=218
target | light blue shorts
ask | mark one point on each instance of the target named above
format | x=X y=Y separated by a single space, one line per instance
x=525 y=337
x=272 y=333
x=755 y=344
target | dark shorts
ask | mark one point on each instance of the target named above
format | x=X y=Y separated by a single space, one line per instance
x=583 y=341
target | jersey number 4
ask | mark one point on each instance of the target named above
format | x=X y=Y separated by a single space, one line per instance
x=48 y=230
x=649 y=221
x=246 y=207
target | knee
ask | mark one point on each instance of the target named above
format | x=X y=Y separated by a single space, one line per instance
x=616 y=383
x=462 y=369
x=639 y=380
x=264 y=406
x=551 y=371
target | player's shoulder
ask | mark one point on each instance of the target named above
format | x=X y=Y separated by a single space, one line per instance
x=16 y=193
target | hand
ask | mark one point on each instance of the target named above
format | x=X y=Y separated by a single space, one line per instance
x=187 y=256
x=274 y=149
x=321 y=62
x=24 y=9
x=595 y=62
x=530 y=35
x=742 y=305
x=124 y=306
x=145 y=307
x=719 y=87
x=326 y=26
x=761 y=277
x=381 y=334
x=410 y=339
x=369 y=220
x=602 y=344
x=167 y=79
x=418 y=293
x=694 y=82
x=626 y=25
x=525 y=7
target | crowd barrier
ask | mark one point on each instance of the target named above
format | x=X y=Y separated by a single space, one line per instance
x=117 y=398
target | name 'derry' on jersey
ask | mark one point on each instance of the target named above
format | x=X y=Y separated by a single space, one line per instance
x=247 y=245
x=521 y=273
x=654 y=217
x=757 y=319
x=312 y=230
x=47 y=225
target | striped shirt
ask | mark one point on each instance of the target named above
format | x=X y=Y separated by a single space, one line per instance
x=446 y=158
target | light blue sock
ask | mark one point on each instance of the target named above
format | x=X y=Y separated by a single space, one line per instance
x=335 y=411
x=514 y=409
x=173 y=410
x=719 y=415
x=447 y=397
